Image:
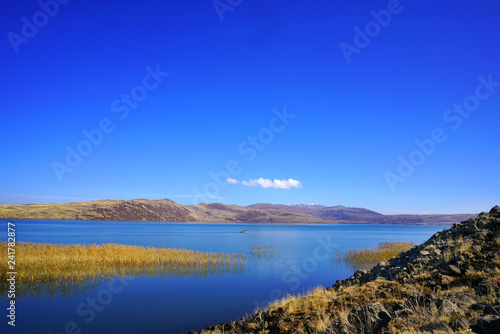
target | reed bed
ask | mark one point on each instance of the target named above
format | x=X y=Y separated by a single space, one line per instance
x=384 y=252
x=263 y=250
x=45 y=262
x=80 y=287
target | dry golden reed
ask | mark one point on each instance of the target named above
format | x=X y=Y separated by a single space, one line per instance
x=384 y=252
x=45 y=262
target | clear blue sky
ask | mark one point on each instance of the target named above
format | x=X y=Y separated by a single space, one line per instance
x=360 y=102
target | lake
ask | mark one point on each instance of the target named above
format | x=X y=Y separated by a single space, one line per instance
x=176 y=300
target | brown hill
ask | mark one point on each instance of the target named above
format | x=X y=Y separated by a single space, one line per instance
x=112 y=209
x=165 y=210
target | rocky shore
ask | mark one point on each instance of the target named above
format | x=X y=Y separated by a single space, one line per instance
x=449 y=284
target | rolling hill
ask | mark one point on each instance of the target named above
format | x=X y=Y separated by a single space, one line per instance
x=165 y=210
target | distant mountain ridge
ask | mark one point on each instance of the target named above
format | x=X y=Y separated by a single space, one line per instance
x=314 y=205
x=165 y=210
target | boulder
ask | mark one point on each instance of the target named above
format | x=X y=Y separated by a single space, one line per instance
x=447 y=307
x=460 y=324
x=424 y=253
x=485 y=287
x=463 y=300
x=453 y=270
x=490 y=324
x=369 y=319
x=495 y=211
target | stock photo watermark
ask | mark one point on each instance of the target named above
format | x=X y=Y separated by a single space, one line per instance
x=249 y=149
x=31 y=26
x=373 y=28
x=94 y=137
x=11 y=273
x=97 y=303
x=222 y=6
x=454 y=118
x=296 y=275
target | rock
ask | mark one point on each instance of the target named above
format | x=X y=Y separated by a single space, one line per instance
x=341 y=328
x=468 y=230
x=489 y=309
x=495 y=211
x=490 y=324
x=467 y=254
x=437 y=252
x=447 y=307
x=193 y=332
x=463 y=300
x=436 y=327
x=478 y=306
x=424 y=253
x=485 y=287
x=370 y=318
x=459 y=324
x=453 y=270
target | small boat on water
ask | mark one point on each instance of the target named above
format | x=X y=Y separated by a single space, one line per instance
x=244 y=231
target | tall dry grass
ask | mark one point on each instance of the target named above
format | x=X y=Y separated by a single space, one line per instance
x=38 y=262
x=384 y=252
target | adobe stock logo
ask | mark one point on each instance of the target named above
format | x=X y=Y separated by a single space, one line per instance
x=372 y=29
x=122 y=107
x=225 y=6
x=428 y=146
x=30 y=28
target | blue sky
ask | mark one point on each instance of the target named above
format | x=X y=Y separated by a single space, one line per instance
x=335 y=95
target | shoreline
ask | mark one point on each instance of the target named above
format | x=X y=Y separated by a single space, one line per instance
x=224 y=222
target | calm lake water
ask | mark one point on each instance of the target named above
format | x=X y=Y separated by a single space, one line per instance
x=176 y=301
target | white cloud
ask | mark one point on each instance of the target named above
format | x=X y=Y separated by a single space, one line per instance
x=267 y=183
x=232 y=181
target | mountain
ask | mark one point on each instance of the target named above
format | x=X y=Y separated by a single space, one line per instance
x=165 y=210
x=449 y=284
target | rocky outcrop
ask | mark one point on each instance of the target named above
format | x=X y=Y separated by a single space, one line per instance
x=450 y=257
x=449 y=284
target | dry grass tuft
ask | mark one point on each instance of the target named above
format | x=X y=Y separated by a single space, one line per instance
x=384 y=252
x=497 y=241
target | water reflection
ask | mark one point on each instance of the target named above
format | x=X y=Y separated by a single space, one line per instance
x=80 y=287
